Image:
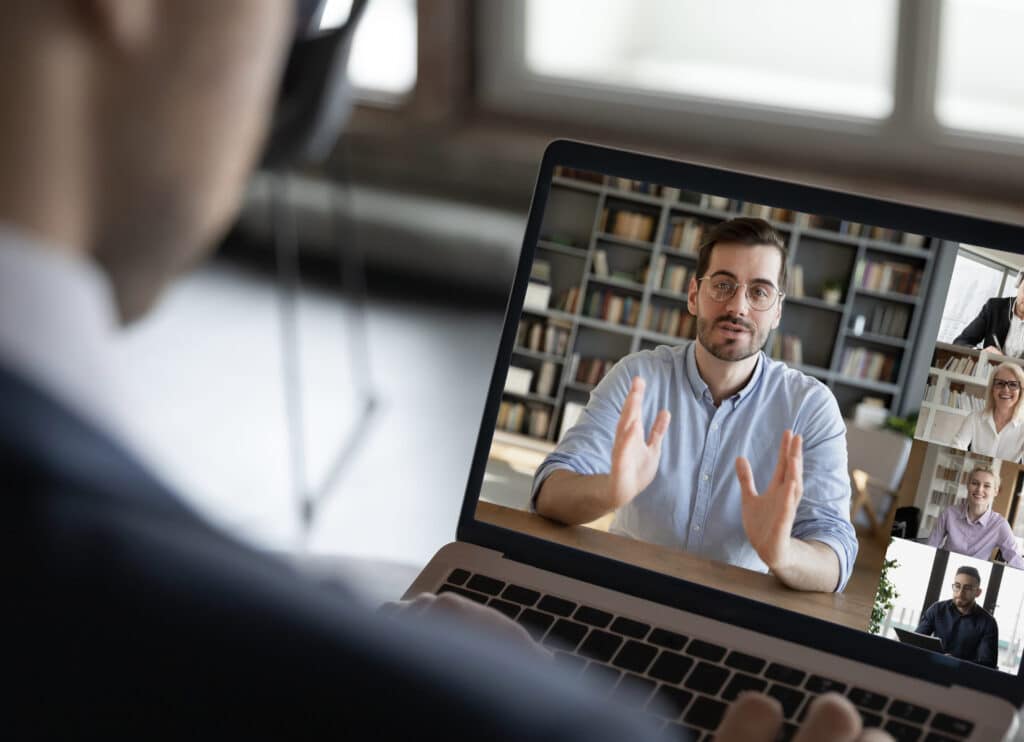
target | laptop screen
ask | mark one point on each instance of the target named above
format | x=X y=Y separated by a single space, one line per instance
x=807 y=410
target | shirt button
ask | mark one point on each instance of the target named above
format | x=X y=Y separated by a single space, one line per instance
x=705 y=477
x=696 y=528
x=714 y=426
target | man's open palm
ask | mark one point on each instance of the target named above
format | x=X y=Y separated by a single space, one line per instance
x=634 y=459
x=768 y=516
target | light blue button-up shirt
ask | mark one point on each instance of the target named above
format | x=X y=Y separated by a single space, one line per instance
x=695 y=500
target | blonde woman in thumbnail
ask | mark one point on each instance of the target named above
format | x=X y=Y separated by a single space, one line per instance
x=972 y=528
x=997 y=430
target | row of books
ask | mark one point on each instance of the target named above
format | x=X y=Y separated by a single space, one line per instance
x=788 y=349
x=631 y=225
x=542 y=336
x=861 y=363
x=795 y=282
x=960 y=365
x=602 y=270
x=635 y=186
x=591 y=370
x=674 y=321
x=685 y=234
x=887 y=275
x=611 y=307
x=517 y=417
x=670 y=277
x=943 y=499
x=587 y=176
x=889 y=320
x=569 y=300
x=953 y=398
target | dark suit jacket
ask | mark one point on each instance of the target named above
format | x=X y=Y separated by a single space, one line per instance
x=990 y=326
x=127 y=615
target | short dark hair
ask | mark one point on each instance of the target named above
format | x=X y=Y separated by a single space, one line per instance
x=970 y=571
x=743 y=230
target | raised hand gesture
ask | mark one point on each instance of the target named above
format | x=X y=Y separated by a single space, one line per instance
x=768 y=516
x=634 y=460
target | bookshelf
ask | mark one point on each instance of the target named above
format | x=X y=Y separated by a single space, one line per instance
x=618 y=258
x=957 y=381
x=945 y=482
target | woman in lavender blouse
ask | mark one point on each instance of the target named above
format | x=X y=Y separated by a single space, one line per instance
x=972 y=527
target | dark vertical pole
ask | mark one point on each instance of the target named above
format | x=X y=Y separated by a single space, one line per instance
x=934 y=591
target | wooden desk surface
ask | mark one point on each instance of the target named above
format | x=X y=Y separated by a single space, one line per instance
x=848 y=610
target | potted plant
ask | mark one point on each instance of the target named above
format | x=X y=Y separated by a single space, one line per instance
x=832 y=291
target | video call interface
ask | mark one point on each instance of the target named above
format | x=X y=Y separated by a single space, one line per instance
x=908 y=467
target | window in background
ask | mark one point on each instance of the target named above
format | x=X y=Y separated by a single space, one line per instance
x=1008 y=614
x=910 y=576
x=974 y=281
x=823 y=57
x=980 y=62
x=383 y=63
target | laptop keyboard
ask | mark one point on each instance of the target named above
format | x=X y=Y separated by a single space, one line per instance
x=686 y=683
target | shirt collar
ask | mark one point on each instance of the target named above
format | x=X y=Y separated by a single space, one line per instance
x=700 y=387
x=982 y=521
x=990 y=420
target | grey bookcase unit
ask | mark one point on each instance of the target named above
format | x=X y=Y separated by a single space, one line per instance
x=570 y=236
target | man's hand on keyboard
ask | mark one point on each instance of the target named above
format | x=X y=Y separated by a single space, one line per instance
x=473 y=616
x=754 y=717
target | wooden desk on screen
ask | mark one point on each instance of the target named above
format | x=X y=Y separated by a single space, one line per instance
x=836 y=607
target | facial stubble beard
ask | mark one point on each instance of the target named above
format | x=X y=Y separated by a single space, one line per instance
x=730 y=351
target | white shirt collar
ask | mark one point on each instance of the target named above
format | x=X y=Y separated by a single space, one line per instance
x=58 y=327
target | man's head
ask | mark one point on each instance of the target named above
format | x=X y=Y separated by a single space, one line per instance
x=966 y=587
x=131 y=126
x=736 y=294
x=982 y=486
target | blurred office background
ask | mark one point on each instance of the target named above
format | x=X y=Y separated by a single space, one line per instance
x=910 y=100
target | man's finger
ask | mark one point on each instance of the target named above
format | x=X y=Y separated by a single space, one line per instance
x=659 y=429
x=780 y=466
x=746 y=477
x=752 y=717
x=632 y=406
x=795 y=469
x=830 y=717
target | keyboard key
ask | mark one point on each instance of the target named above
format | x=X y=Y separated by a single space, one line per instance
x=600 y=645
x=818 y=684
x=683 y=732
x=740 y=661
x=635 y=656
x=601 y=676
x=869 y=720
x=667 y=639
x=741 y=682
x=509 y=609
x=705 y=650
x=705 y=713
x=628 y=627
x=936 y=737
x=559 y=607
x=570 y=662
x=521 y=595
x=633 y=690
x=463 y=592
x=707 y=678
x=790 y=698
x=952 y=725
x=566 y=634
x=458 y=577
x=593 y=616
x=908 y=712
x=783 y=674
x=670 y=667
x=670 y=702
x=867 y=699
x=786 y=733
x=902 y=732
x=535 y=622
x=484 y=584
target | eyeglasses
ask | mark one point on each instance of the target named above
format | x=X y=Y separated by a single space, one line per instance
x=760 y=296
x=958 y=588
x=1013 y=386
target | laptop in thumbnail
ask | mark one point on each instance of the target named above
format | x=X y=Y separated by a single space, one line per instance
x=924 y=641
x=609 y=251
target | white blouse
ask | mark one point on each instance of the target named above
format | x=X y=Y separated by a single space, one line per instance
x=978 y=431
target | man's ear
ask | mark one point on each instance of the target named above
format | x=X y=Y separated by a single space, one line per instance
x=691 y=296
x=124 y=24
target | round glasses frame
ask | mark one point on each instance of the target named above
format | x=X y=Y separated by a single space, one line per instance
x=756 y=302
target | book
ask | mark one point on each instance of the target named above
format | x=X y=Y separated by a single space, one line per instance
x=601 y=263
x=518 y=380
x=538 y=296
x=546 y=379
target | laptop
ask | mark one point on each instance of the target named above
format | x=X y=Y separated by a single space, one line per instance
x=609 y=248
x=924 y=641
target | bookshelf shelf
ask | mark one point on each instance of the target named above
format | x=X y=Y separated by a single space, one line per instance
x=539 y=355
x=586 y=218
x=888 y=296
x=945 y=408
x=810 y=301
x=576 y=252
x=530 y=397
